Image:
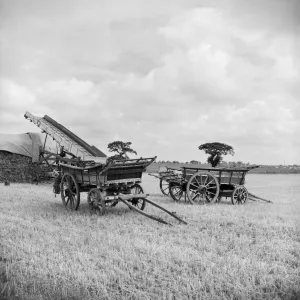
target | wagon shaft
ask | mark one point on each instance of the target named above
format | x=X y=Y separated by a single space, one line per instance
x=158 y=219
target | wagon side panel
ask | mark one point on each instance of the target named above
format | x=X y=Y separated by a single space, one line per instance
x=120 y=174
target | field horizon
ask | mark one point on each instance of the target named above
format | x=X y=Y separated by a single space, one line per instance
x=225 y=252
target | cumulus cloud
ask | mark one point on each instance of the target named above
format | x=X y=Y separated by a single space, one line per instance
x=166 y=76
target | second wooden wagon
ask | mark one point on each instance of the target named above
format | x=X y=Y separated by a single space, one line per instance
x=198 y=185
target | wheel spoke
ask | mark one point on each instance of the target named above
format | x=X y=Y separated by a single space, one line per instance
x=210 y=182
x=69 y=183
x=139 y=203
x=68 y=200
x=195 y=185
x=71 y=201
x=208 y=192
x=177 y=191
x=209 y=199
x=198 y=181
x=196 y=195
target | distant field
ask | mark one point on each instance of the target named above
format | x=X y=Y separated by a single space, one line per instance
x=154 y=167
x=225 y=251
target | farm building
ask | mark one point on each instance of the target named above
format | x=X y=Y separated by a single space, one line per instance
x=18 y=153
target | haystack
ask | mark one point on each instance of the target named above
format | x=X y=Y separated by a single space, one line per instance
x=15 y=167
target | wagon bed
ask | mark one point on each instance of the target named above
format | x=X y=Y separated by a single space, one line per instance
x=114 y=173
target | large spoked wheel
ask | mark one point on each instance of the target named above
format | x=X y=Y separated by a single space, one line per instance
x=139 y=203
x=239 y=195
x=201 y=187
x=69 y=190
x=96 y=201
x=164 y=187
x=176 y=191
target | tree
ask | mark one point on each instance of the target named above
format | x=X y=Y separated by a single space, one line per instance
x=121 y=149
x=194 y=162
x=216 y=151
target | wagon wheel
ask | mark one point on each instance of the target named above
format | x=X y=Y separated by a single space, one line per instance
x=202 y=186
x=239 y=195
x=164 y=187
x=139 y=203
x=96 y=201
x=176 y=191
x=69 y=191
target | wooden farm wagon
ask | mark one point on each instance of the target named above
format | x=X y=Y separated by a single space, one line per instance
x=106 y=182
x=198 y=185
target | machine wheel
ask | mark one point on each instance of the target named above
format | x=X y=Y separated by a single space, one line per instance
x=164 y=187
x=138 y=202
x=239 y=195
x=96 y=201
x=69 y=191
x=176 y=191
x=202 y=186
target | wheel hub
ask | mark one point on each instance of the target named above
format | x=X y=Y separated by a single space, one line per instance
x=202 y=189
x=240 y=197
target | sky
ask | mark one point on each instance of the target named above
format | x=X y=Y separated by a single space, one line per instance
x=166 y=75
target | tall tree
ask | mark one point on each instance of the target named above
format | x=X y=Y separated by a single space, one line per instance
x=216 y=151
x=121 y=149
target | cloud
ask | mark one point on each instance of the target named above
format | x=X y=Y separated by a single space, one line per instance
x=166 y=76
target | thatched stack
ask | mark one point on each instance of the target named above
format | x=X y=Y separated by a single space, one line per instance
x=15 y=168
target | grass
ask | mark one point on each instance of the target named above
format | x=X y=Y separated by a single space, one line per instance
x=225 y=252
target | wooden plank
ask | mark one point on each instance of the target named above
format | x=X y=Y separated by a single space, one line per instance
x=123 y=180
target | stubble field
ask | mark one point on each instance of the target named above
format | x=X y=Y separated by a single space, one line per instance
x=225 y=251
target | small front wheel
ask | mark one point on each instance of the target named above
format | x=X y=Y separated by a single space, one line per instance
x=164 y=187
x=96 y=201
x=176 y=191
x=239 y=195
x=139 y=203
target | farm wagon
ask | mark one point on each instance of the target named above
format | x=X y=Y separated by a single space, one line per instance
x=106 y=182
